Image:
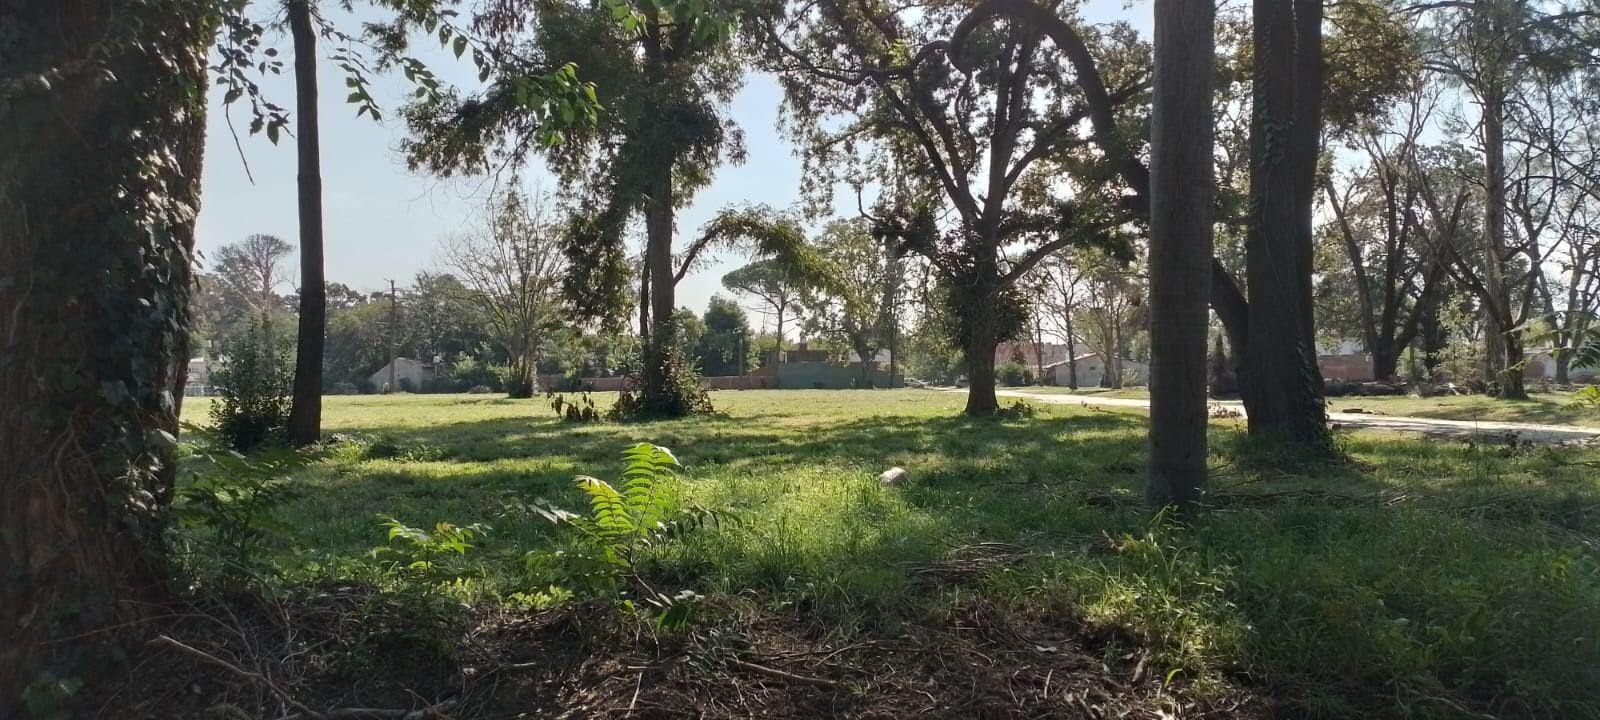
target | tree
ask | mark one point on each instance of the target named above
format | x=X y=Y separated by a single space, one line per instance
x=1385 y=262
x=1002 y=174
x=1061 y=294
x=1112 y=309
x=100 y=137
x=250 y=275
x=1281 y=382
x=727 y=345
x=772 y=282
x=1180 y=246
x=662 y=75
x=514 y=267
x=1492 y=49
x=856 y=299
x=305 y=413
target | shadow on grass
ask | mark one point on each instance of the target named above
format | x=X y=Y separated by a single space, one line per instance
x=1418 y=578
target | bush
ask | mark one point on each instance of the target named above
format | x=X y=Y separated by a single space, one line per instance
x=253 y=385
x=480 y=390
x=468 y=373
x=682 y=396
x=1014 y=373
x=227 y=509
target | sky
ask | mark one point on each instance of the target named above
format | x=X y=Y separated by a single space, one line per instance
x=382 y=221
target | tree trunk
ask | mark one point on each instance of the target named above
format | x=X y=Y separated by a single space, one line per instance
x=658 y=256
x=1072 y=353
x=1513 y=381
x=1281 y=384
x=100 y=159
x=305 y=413
x=1563 y=369
x=1386 y=358
x=778 y=353
x=644 y=303
x=1180 y=245
x=981 y=400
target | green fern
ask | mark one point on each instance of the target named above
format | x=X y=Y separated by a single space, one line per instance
x=648 y=508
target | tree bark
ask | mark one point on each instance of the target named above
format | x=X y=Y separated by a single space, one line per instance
x=1281 y=385
x=1180 y=244
x=981 y=344
x=101 y=137
x=305 y=412
x=658 y=258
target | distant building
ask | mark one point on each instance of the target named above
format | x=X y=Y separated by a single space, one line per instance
x=409 y=375
x=199 y=380
x=1092 y=370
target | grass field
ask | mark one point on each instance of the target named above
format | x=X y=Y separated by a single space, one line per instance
x=1542 y=408
x=1418 y=579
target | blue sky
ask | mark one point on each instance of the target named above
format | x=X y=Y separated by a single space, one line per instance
x=382 y=221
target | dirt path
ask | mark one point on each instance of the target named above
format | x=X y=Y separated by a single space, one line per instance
x=1459 y=429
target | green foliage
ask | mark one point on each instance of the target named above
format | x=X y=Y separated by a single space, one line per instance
x=622 y=524
x=253 y=386
x=1014 y=374
x=468 y=372
x=1587 y=397
x=681 y=395
x=728 y=345
x=227 y=508
x=431 y=563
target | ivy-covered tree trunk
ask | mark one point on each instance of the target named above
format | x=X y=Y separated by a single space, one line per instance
x=1281 y=384
x=305 y=413
x=102 y=109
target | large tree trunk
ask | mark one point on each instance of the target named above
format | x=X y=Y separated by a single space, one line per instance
x=1180 y=245
x=100 y=159
x=1505 y=350
x=305 y=412
x=981 y=400
x=1281 y=384
x=658 y=258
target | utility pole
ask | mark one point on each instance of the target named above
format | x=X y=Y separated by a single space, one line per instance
x=394 y=334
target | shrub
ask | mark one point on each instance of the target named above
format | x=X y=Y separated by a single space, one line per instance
x=1014 y=373
x=226 y=510
x=468 y=372
x=682 y=396
x=480 y=390
x=253 y=385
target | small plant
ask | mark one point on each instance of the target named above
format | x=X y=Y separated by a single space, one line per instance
x=432 y=562
x=1588 y=397
x=252 y=407
x=233 y=501
x=621 y=524
x=581 y=410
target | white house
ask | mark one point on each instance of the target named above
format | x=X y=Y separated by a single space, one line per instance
x=1091 y=368
x=409 y=375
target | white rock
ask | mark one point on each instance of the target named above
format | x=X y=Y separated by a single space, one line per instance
x=894 y=476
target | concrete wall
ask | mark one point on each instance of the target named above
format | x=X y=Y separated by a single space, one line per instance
x=1090 y=371
x=1354 y=367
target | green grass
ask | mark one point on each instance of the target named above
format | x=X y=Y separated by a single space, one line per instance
x=1541 y=408
x=1545 y=408
x=1421 y=579
x=1137 y=393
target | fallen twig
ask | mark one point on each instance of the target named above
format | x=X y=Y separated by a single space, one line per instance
x=306 y=713
x=774 y=672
